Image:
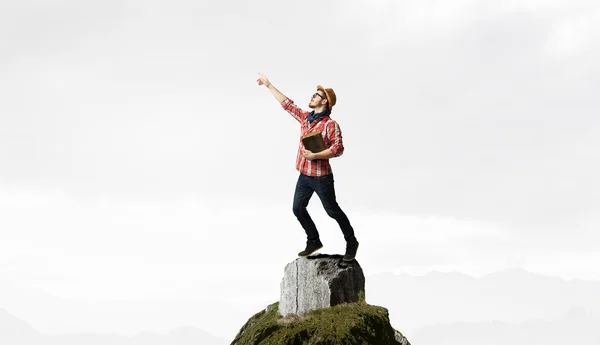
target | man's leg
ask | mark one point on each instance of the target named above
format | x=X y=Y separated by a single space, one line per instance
x=302 y=196
x=324 y=186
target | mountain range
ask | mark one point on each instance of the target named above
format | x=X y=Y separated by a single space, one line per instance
x=14 y=331
x=431 y=309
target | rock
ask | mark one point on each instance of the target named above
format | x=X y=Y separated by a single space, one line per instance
x=313 y=311
x=319 y=281
x=400 y=338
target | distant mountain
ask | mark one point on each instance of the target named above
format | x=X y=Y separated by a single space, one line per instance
x=50 y=314
x=14 y=331
x=511 y=296
x=13 y=326
x=179 y=336
x=575 y=327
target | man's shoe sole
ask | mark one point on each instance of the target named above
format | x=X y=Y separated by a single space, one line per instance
x=303 y=256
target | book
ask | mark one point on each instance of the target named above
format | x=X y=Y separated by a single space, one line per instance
x=313 y=142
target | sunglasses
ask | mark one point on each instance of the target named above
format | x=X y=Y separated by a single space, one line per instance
x=318 y=94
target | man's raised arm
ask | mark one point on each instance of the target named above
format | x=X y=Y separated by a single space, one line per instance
x=262 y=80
x=283 y=100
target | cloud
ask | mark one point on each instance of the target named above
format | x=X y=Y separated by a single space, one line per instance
x=34 y=29
x=465 y=108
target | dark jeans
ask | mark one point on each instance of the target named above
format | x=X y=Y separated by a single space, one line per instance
x=323 y=185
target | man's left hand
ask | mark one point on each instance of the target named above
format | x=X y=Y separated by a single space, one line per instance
x=309 y=155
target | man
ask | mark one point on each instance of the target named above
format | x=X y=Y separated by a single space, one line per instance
x=315 y=171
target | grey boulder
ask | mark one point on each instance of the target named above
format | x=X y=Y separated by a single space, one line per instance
x=319 y=281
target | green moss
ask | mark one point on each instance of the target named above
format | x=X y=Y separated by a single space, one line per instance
x=347 y=324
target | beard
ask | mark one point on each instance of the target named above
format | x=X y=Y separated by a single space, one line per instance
x=312 y=106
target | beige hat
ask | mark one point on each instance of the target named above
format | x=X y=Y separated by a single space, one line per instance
x=329 y=94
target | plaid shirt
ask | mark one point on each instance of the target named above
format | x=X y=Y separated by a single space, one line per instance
x=332 y=136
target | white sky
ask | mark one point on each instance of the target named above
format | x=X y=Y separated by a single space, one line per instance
x=138 y=157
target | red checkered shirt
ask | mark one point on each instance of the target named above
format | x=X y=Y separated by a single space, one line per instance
x=332 y=136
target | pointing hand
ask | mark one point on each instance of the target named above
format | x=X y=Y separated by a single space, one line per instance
x=262 y=80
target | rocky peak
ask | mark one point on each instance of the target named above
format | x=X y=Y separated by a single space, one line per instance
x=322 y=302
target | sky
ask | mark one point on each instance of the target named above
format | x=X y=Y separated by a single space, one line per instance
x=140 y=160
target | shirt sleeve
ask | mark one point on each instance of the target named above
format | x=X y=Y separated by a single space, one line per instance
x=334 y=133
x=297 y=113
